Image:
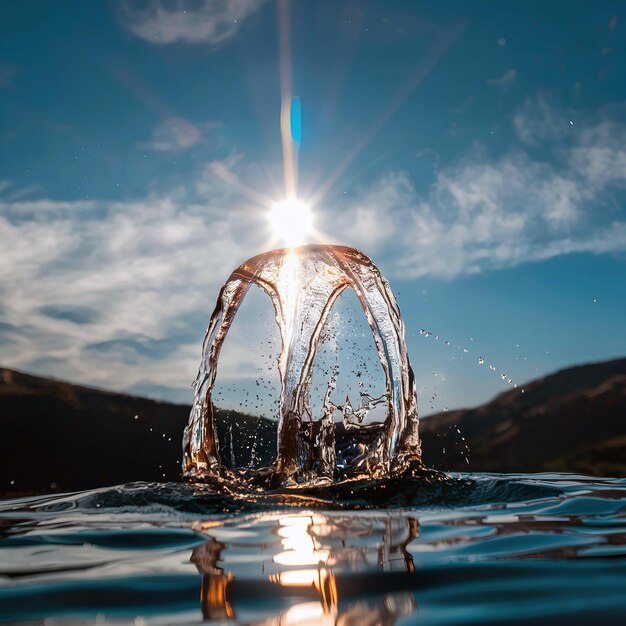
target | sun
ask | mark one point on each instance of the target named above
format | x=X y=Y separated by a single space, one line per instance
x=291 y=221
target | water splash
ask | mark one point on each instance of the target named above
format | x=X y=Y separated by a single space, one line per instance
x=303 y=284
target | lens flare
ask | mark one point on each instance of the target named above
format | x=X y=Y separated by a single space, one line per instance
x=291 y=221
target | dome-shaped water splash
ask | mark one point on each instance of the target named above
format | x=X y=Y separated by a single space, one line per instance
x=303 y=284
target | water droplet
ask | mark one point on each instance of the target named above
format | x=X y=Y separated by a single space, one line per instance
x=313 y=265
x=481 y=361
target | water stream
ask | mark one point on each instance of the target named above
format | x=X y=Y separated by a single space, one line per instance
x=303 y=284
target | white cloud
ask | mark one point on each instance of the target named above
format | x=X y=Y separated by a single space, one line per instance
x=484 y=216
x=505 y=81
x=364 y=221
x=36 y=207
x=173 y=134
x=204 y=21
x=484 y=213
x=539 y=122
x=137 y=272
x=600 y=155
x=119 y=293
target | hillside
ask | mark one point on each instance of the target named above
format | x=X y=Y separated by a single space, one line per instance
x=59 y=436
x=573 y=420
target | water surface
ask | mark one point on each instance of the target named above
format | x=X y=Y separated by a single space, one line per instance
x=478 y=549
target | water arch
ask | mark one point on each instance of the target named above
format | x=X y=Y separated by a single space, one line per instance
x=303 y=284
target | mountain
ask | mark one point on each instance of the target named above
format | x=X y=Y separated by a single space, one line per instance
x=55 y=436
x=59 y=436
x=572 y=421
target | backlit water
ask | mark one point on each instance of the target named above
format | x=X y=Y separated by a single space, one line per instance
x=476 y=549
x=303 y=284
x=333 y=519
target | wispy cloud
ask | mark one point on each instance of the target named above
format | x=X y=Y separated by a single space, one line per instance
x=484 y=213
x=201 y=22
x=599 y=155
x=539 y=122
x=173 y=134
x=505 y=81
x=118 y=293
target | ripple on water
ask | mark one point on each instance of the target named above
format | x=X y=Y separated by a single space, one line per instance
x=473 y=549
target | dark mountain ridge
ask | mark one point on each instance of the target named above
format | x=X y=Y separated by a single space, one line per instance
x=59 y=436
x=573 y=420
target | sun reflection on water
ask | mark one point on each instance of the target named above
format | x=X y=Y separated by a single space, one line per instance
x=314 y=560
x=299 y=545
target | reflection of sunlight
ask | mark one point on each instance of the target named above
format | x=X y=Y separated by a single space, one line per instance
x=301 y=557
x=320 y=579
x=300 y=549
x=299 y=546
x=307 y=614
x=302 y=579
x=297 y=577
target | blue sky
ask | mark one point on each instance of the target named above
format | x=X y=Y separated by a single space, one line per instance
x=475 y=150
